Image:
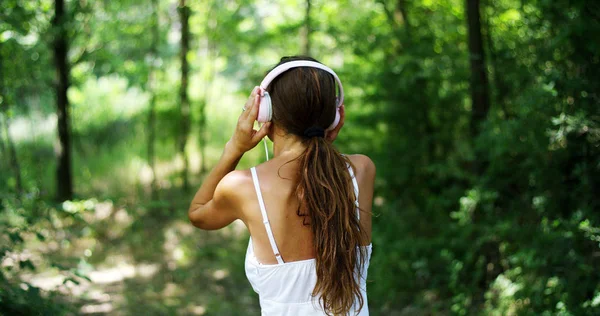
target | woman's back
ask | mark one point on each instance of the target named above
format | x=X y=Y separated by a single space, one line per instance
x=286 y=287
x=292 y=232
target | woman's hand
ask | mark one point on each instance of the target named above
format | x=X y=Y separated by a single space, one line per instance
x=245 y=137
x=332 y=134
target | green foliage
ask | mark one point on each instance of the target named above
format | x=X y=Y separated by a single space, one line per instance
x=24 y=224
x=28 y=300
x=504 y=222
x=514 y=234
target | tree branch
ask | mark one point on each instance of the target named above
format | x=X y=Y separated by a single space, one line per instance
x=389 y=14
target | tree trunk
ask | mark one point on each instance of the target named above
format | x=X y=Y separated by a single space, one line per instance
x=3 y=102
x=184 y=14
x=479 y=109
x=499 y=88
x=479 y=81
x=10 y=150
x=152 y=110
x=402 y=12
x=3 y=147
x=306 y=31
x=64 y=185
x=202 y=135
x=212 y=54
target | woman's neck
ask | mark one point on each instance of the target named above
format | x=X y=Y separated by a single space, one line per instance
x=287 y=144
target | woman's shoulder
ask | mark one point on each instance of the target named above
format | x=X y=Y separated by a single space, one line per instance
x=237 y=184
x=363 y=165
x=236 y=178
x=239 y=190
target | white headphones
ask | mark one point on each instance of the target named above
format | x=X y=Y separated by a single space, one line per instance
x=265 y=109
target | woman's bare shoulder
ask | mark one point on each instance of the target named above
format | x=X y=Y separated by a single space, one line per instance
x=236 y=179
x=364 y=165
x=237 y=185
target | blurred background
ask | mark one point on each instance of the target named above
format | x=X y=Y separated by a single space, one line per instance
x=482 y=118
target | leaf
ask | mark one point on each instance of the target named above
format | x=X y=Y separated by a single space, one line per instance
x=72 y=280
x=15 y=237
x=58 y=266
x=26 y=264
x=82 y=275
x=40 y=236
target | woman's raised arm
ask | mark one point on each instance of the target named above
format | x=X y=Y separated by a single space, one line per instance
x=215 y=204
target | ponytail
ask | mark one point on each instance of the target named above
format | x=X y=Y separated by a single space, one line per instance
x=327 y=201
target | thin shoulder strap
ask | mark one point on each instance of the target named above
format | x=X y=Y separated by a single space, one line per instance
x=265 y=218
x=355 y=184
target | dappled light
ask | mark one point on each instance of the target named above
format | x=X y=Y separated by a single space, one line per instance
x=482 y=118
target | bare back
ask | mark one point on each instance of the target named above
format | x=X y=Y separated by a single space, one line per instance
x=293 y=237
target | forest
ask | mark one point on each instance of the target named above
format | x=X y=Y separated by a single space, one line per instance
x=482 y=117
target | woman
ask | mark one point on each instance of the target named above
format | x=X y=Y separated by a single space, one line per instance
x=308 y=209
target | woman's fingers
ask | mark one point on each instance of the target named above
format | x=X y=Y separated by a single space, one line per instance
x=262 y=132
x=253 y=113
x=249 y=103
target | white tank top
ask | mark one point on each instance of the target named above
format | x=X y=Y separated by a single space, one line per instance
x=286 y=288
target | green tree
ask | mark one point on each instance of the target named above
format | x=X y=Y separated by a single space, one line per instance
x=152 y=85
x=7 y=146
x=184 y=17
x=306 y=30
x=60 y=44
x=479 y=79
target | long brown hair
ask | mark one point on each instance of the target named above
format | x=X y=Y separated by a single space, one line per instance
x=303 y=98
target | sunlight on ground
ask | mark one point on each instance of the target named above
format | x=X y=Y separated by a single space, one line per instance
x=95 y=290
x=100 y=276
x=171 y=265
x=112 y=275
x=197 y=310
x=131 y=259
x=96 y=308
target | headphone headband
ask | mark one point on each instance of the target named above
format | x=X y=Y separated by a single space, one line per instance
x=302 y=63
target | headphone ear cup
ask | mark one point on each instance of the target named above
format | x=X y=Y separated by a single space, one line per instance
x=336 y=120
x=265 y=108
